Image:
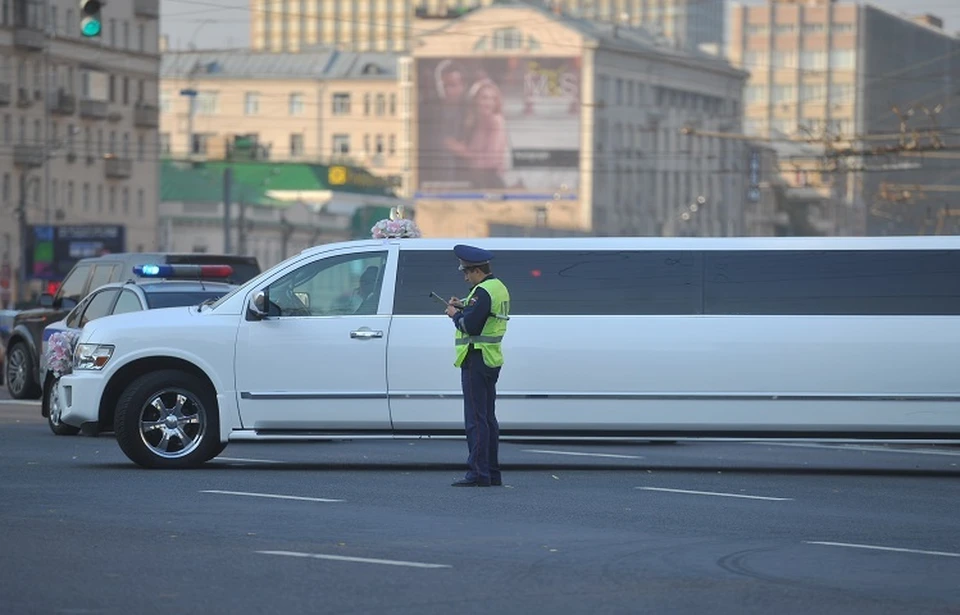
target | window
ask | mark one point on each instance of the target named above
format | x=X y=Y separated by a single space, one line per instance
x=5 y=194
x=141 y=39
x=864 y=282
x=366 y=104
x=206 y=103
x=113 y=199
x=755 y=93
x=86 y=197
x=843 y=58
x=125 y=201
x=392 y=145
x=841 y=92
x=813 y=60
x=341 y=144
x=548 y=282
x=7 y=128
x=126 y=90
x=785 y=59
x=140 y=210
x=73 y=286
x=393 y=104
x=813 y=28
x=842 y=27
x=141 y=148
x=366 y=144
x=251 y=105
x=296 y=104
x=296 y=145
x=70 y=194
x=381 y=104
x=378 y=144
x=507 y=38
x=341 y=103
x=348 y=284
x=128 y=302
x=103 y=274
x=813 y=92
x=126 y=35
x=782 y=93
x=99 y=306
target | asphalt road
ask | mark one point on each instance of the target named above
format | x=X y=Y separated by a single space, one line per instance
x=374 y=527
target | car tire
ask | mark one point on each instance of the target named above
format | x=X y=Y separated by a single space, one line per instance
x=168 y=420
x=51 y=409
x=19 y=373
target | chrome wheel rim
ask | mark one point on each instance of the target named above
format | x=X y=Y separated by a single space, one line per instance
x=172 y=423
x=17 y=370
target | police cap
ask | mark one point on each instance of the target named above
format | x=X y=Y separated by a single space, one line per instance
x=471 y=256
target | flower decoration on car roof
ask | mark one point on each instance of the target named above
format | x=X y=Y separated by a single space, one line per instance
x=396 y=227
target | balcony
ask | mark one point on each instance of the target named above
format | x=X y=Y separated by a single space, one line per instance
x=149 y=9
x=94 y=109
x=6 y=94
x=62 y=103
x=29 y=38
x=146 y=116
x=29 y=156
x=118 y=168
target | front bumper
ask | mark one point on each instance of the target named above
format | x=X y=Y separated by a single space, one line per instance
x=80 y=394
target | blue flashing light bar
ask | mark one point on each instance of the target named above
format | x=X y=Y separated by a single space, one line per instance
x=189 y=272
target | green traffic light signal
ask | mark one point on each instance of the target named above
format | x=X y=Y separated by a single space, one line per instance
x=90 y=22
x=91 y=27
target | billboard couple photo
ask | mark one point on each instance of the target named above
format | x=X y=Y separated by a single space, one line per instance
x=501 y=124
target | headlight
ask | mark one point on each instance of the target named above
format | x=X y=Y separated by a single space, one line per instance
x=92 y=356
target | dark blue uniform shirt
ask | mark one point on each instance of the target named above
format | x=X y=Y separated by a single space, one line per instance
x=472 y=317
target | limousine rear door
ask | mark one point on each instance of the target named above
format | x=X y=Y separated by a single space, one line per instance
x=317 y=362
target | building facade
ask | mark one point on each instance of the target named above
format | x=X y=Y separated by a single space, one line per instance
x=319 y=106
x=391 y=25
x=837 y=75
x=79 y=124
x=520 y=117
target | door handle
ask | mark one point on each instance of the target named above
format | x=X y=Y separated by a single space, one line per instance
x=365 y=334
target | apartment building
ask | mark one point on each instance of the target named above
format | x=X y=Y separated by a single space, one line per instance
x=317 y=106
x=522 y=117
x=78 y=123
x=391 y=25
x=846 y=72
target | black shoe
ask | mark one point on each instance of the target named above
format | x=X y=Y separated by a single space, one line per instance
x=468 y=483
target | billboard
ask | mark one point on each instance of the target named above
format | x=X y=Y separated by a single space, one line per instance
x=505 y=125
x=55 y=249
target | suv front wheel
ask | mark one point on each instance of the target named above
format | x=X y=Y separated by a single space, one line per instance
x=168 y=419
x=19 y=373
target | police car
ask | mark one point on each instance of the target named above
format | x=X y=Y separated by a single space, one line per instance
x=156 y=287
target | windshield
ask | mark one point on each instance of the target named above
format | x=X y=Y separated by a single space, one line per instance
x=169 y=299
x=255 y=281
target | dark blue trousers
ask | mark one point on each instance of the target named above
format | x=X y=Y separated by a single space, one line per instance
x=479 y=383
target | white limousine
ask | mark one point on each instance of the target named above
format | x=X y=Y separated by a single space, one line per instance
x=647 y=338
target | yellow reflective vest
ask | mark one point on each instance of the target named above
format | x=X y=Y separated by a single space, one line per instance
x=490 y=338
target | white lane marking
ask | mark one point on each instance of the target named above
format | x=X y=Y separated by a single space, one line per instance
x=859 y=447
x=244 y=460
x=19 y=402
x=722 y=495
x=271 y=495
x=362 y=560
x=876 y=548
x=609 y=455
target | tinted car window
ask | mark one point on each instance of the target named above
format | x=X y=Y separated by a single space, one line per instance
x=74 y=284
x=336 y=286
x=169 y=299
x=128 y=302
x=102 y=274
x=874 y=282
x=73 y=318
x=99 y=306
x=562 y=282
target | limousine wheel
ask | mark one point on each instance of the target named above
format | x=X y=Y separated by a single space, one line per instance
x=52 y=408
x=168 y=419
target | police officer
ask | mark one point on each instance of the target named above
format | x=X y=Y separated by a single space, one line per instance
x=481 y=322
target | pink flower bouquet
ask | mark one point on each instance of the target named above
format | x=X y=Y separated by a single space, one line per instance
x=59 y=355
x=393 y=229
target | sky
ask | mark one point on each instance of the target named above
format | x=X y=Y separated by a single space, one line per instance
x=226 y=23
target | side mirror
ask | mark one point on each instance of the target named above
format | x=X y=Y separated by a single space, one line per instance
x=257 y=308
x=46 y=300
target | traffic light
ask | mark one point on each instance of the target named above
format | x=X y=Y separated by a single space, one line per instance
x=90 y=23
